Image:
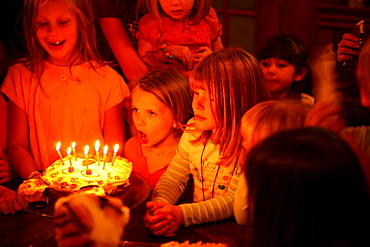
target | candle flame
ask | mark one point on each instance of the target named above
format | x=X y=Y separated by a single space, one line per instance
x=73 y=144
x=58 y=146
x=116 y=147
x=97 y=145
x=69 y=150
x=105 y=149
x=86 y=151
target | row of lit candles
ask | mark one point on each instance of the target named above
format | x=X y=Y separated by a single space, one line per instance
x=86 y=153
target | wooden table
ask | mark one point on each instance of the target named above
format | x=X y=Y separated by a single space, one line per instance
x=26 y=229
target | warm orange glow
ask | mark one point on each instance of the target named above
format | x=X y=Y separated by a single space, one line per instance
x=86 y=150
x=69 y=150
x=116 y=147
x=58 y=146
x=105 y=149
x=97 y=145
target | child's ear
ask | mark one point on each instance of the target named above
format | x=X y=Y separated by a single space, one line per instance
x=175 y=124
x=300 y=74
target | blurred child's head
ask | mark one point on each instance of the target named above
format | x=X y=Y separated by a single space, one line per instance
x=363 y=74
x=195 y=9
x=233 y=81
x=309 y=190
x=268 y=117
x=59 y=30
x=161 y=99
x=283 y=62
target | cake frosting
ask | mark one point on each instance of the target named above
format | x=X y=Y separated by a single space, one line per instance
x=78 y=175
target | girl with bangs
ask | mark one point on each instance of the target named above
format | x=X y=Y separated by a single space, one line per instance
x=62 y=91
x=283 y=62
x=224 y=85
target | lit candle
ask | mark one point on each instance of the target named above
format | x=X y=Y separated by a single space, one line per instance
x=86 y=152
x=116 y=147
x=60 y=155
x=97 y=146
x=74 y=150
x=70 y=169
x=105 y=155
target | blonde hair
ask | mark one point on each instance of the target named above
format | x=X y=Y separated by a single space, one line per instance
x=200 y=9
x=269 y=117
x=172 y=89
x=362 y=71
x=234 y=80
x=86 y=46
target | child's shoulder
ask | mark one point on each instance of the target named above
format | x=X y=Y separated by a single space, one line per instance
x=149 y=18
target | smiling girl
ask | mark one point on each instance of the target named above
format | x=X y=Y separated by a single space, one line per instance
x=62 y=91
x=161 y=105
x=186 y=30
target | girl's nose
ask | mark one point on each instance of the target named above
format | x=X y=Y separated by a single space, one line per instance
x=139 y=120
x=52 y=29
x=271 y=68
x=175 y=2
x=198 y=103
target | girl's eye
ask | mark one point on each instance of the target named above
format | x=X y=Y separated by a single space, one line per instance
x=264 y=64
x=282 y=65
x=64 y=22
x=135 y=110
x=41 y=23
x=152 y=113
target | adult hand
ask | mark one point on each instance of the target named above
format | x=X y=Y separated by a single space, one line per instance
x=348 y=48
x=325 y=115
x=8 y=203
x=201 y=53
x=181 y=53
x=163 y=218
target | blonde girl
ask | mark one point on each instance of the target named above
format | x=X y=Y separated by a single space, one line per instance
x=62 y=91
x=186 y=31
x=259 y=122
x=225 y=85
x=161 y=105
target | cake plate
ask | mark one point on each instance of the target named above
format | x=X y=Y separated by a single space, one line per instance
x=131 y=196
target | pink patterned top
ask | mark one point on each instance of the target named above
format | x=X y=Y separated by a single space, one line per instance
x=180 y=32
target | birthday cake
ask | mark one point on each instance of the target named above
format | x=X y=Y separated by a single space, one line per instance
x=79 y=174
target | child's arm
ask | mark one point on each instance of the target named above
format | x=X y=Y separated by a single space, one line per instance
x=7 y=172
x=177 y=52
x=18 y=141
x=243 y=209
x=204 y=51
x=114 y=127
x=120 y=43
x=8 y=203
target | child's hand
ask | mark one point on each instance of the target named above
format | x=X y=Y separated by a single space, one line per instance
x=181 y=53
x=8 y=203
x=348 y=47
x=201 y=53
x=163 y=218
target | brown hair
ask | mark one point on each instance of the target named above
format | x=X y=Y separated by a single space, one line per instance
x=172 y=89
x=233 y=78
x=86 y=46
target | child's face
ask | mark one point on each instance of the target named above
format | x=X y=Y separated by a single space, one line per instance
x=279 y=75
x=153 y=120
x=57 y=31
x=202 y=103
x=177 y=9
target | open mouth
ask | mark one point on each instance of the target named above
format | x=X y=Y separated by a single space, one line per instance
x=143 y=138
x=57 y=43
